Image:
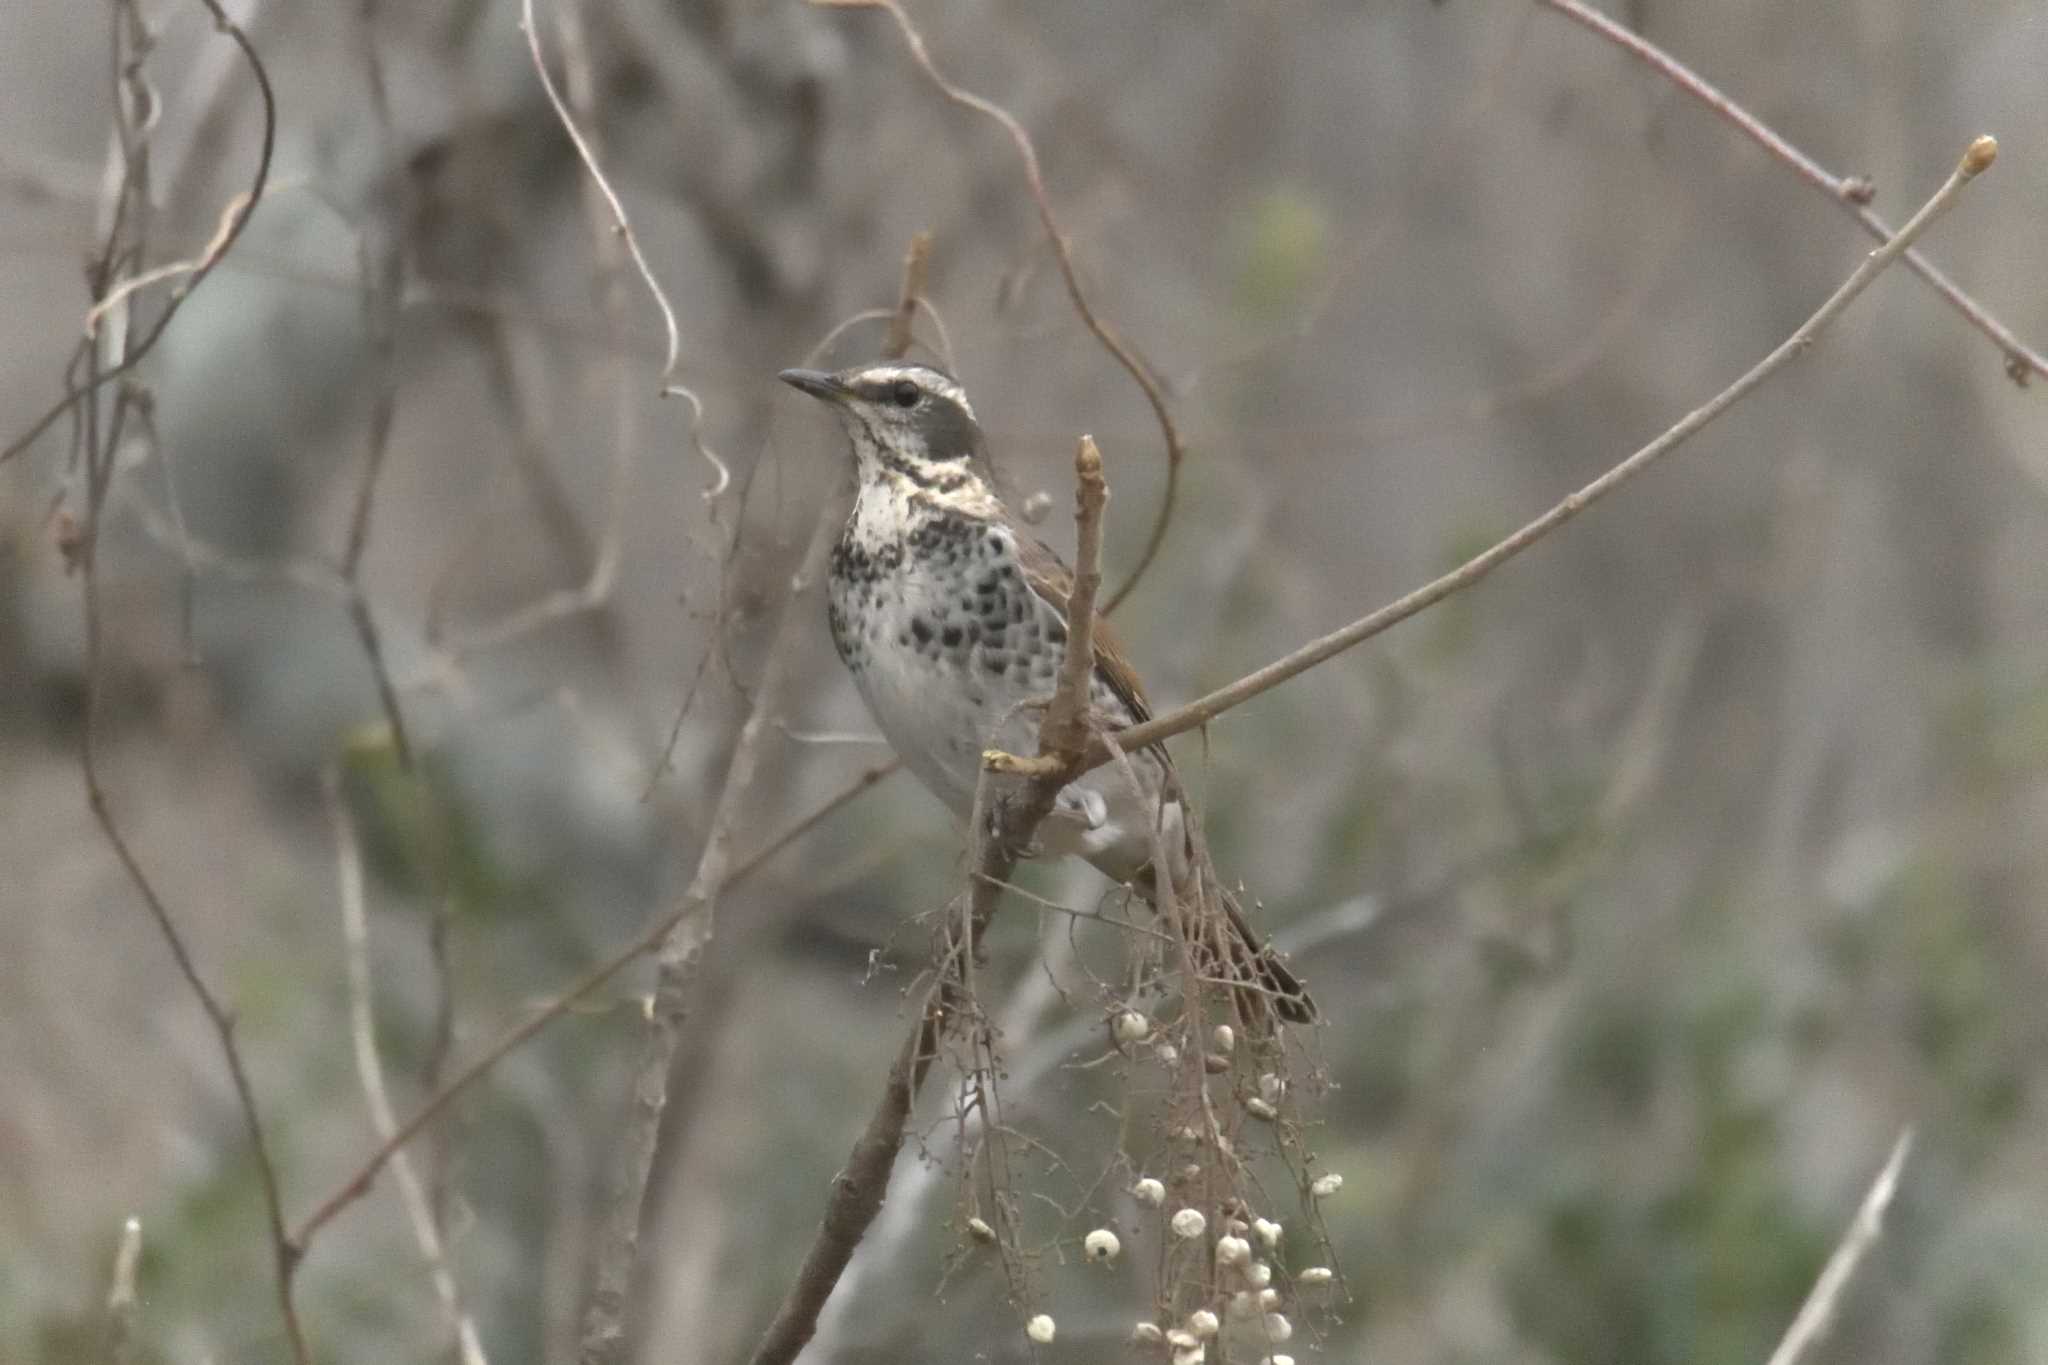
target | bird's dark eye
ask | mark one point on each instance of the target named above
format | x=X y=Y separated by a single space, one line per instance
x=905 y=393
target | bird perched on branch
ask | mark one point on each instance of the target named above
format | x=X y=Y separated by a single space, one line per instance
x=952 y=618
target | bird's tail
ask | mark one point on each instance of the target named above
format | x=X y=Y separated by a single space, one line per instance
x=1269 y=982
x=1232 y=951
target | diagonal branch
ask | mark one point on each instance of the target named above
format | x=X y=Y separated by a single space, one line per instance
x=419 y=1209
x=1852 y=193
x=1204 y=709
x=1817 y=1314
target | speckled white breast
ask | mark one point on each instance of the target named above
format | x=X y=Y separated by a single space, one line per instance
x=930 y=612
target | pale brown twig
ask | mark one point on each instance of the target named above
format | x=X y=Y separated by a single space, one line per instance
x=1205 y=709
x=1852 y=193
x=896 y=344
x=1065 y=727
x=1816 y=1315
x=672 y=356
x=606 y=232
x=604 y=185
x=1063 y=253
x=355 y=933
x=132 y=355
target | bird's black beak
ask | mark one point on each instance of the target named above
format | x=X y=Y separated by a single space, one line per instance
x=817 y=384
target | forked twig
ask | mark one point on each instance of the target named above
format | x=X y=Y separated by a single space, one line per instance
x=1852 y=193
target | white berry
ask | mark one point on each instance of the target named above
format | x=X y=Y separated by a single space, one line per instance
x=1203 y=1323
x=1131 y=1027
x=1278 y=1328
x=1188 y=1223
x=1226 y=1037
x=1041 y=1328
x=1315 y=1274
x=1232 y=1251
x=1149 y=1191
x=1326 y=1185
x=1268 y=1230
x=1101 y=1245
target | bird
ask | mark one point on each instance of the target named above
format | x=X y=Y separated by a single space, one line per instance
x=952 y=618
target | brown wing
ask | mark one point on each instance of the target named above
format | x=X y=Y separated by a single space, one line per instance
x=1053 y=581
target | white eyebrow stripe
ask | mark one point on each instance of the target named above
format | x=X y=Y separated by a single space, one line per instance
x=918 y=374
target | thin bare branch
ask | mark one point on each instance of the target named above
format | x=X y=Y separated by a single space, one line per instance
x=381 y=267
x=516 y=1035
x=604 y=185
x=915 y=263
x=1065 y=728
x=1817 y=1314
x=1063 y=253
x=224 y=233
x=605 y=1335
x=133 y=355
x=1201 y=711
x=1853 y=193
x=419 y=1209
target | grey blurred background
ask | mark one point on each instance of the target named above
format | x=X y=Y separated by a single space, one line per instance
x=1653 y=887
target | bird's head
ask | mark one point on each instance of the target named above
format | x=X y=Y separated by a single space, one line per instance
x=910 y=420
